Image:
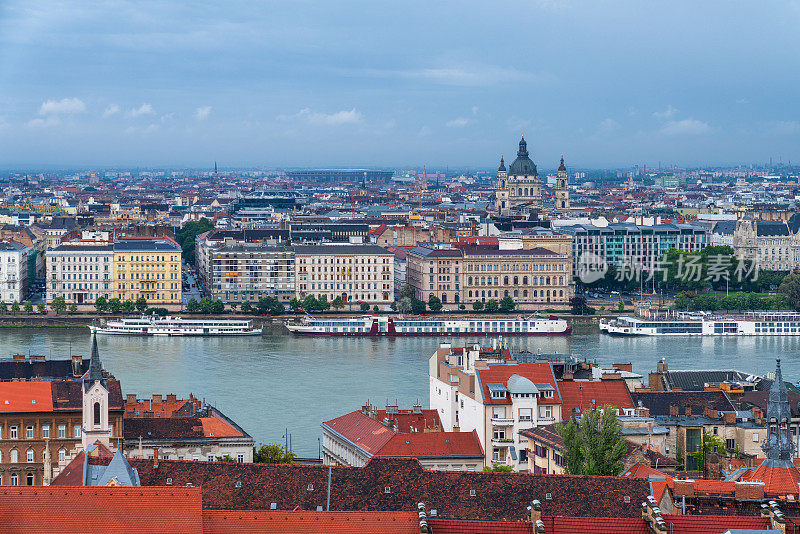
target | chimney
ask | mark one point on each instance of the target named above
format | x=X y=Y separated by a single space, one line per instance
x=749 y=491
x=18 y=357
x=674 y=410
x=729 y=418
x=651 y=514
x=642 y=410
x=77 y=365
x=623 y=367
x=661 y=367
x=683 y=487
x=157 y=399
x=130 y=398
x=416 y=408
x=711 y=413
x=567 y=376
x=536 y=511
x=37 y=357
x=776 y=517
x=688 y=410
x=155 y=457
x=172 y=398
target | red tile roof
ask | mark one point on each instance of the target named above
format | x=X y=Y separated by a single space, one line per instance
x=305 y=522
x=640 y=470
x=594 y=525
x=367 y=433
x=406 y=419
x=499 y=374
x=581 y=394
x=46 y=509
x=158 y=409
x=457 y=526
x=713 y=524
x=20 y=397
x=421 y=444
x=215 y=427
x=777 y=481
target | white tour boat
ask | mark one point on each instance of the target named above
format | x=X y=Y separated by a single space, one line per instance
x=378 y=325
x=176 y=326
x=763 y=323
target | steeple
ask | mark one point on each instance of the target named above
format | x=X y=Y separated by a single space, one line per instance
x=778 y=445
x=95 y=368
x=562 y=167
x=523 y=148
x=502 y=165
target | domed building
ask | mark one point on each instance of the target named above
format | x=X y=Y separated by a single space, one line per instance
x=519 y=189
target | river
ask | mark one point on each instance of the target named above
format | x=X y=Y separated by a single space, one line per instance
x=273 y=382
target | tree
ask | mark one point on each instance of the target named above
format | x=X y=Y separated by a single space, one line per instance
x=491 y=306
x=310 y=304
x=186 y=237
x=247 y=307
x=3 y=307
x=711 y=445
x=227 y=458
x=364 y=307
x=435 y=304
x=233 y=306
x=206 y=305
x=15 y=306
x=270 y=306
x=59 y=304
x=499 y=468
x=217 y=307
x=294 y=304
x=406 y=292
x=790 y=289
x=40 y=307
x=621 y=306
x=101 y=304
x=323 y=304
x=73 y=308
x=141 y=304
x=393 y=305
x=595 y=446
x=404 y=305
x=477 y=305
x=417 y=306
x=27 y=306
x=115 y=305
x=272 y=453
x=337 y=303
x=507 y=304
x=128 y=306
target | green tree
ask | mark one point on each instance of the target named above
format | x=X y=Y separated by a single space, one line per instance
x=294 y=304
x=192 y=306
x=101 y=304
x=337 y=303
x=206 y=305
x=141 y=304
x=233 y=306
x=711 y=445
x=128 y=306
x=27 y=306
x=247 y=307
x=477 y=305
x=15 y=306
x=435 y=304
x=310 y=304
x=595 y=446
x=406 y=292
x=3 y=307
x=227 y=458
x=418 y=306
x=404 y=305
x=499 y=468
x=507 y=304
x=217 y=307
x=59 y=304
x=491 y=306
x=393 y=305
x=364 y=307
x=273 y=453
x=73 y=308
x=621 y=306
x=186 y=237
x=323 y=304
x=790 y=289
x=40 y=307
x=115 y=305
x=270 y=306
x=375 y=309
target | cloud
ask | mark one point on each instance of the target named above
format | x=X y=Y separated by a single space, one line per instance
x=742 y=101
x=460 y=122
x=465 y=75
x=474 y=110
x=783 y=127
x=686 y=127
x=113 y=109
x=666 y=114
x=65 y=106
x=325 y=119
x=144 y=109
x=46 y=122
x=517 y=124
x=202 y=113
x=608 y=125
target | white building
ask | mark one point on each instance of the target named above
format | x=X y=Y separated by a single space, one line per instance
x=80 y=271
x=13 y=271
x=494 y=398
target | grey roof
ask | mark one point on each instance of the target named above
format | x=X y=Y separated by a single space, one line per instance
x=724 y=227
x=95 y=368
x=421 y=250
x=695 y=380
x=117 y=469
x=522 y=166
x=72 y=246
x=520 y=384
x=11 y=246
x=496 y=387
x=340 y=249
x=767 y=228
x=145 y=245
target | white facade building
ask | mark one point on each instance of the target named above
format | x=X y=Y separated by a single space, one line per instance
x=13 y=271
x=80 y=271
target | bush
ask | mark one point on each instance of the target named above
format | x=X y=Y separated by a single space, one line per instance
x=364 y=307
x=161 y=312
x=435 y=304
x=477 y=305
x=491 y=306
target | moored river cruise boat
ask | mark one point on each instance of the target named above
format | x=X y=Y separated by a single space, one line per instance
x=766 y=323
x=176 y=326
x=377 y=325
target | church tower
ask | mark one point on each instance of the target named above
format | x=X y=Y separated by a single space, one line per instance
x=778 y=446
x=501 y=192
x=95 y=403
x=562 y=188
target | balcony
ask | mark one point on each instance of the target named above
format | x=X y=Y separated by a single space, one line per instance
x=502 y=421
x=502 y=442
x=546 y=420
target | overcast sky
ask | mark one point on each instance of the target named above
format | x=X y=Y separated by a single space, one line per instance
x=351 y=83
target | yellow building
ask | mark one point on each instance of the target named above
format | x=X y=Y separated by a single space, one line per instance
x=149 y=268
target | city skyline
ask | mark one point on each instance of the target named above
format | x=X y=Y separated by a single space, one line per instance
x=355 y=84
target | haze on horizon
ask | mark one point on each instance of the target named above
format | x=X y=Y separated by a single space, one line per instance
x=364 y=83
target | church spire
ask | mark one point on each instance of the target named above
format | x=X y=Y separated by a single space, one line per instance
x=523 y=148
x=778 y=445
x=95 y=367
x=562 y=167
x=502 y=165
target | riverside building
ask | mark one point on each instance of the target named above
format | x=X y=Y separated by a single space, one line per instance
x=246 y=273
x=148 y=268
x=13 y=271
x=80 y=271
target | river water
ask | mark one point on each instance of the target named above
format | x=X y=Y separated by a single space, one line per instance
x=273 y=382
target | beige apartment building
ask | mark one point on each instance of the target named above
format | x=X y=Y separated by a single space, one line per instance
x=149 y=268
x=355 y=273
x=80 y=271
x=246 y=273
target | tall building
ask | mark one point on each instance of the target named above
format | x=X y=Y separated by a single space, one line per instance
x=772 y=245
x=80 y=271
x=246 y=273
x=562 y=188
x=519 y=189
x=149 y=268
x=13 y=271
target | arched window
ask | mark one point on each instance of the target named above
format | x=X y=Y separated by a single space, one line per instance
x=505 y=293
x=561 y=293
x=456 y=298
x=524 y=280
x=560 y=280
x=524 y=292
x=29 y=456
x=444 y=298
x=516 y=293
x=470 y=294
x=548 y=280
x=96 y=414
x=29 y=479
x=469 y=280
x=13 y=456
x=526 y=191
x=62 y=455
x=505 y=280
x=516 y=280
x=519 y=191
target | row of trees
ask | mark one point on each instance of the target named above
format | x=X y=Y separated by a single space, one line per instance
x=407 y=302
x=787 y=296
x=16 y=307
x=186 y=235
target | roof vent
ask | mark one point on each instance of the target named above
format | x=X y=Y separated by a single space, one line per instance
x=471 y=493
x=238 y=483
x=387 y=489
x=273 y=506
x=319 y=508
x=310 y=487
x=434 y=512
x=548 y=496
x=169 y=481
x=627 y=498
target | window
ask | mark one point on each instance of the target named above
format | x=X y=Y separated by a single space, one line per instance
x=525 y=414
x=211 y=458
x=13 y=456
x=755 y=437
x=29 y=456
x=730 y=444
x=77 y=431
x=62 y=431
x=29 y=432
x=240 y=458
x=45 y=431
x=12 y=433
x=14 y=479
x=96 y=414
